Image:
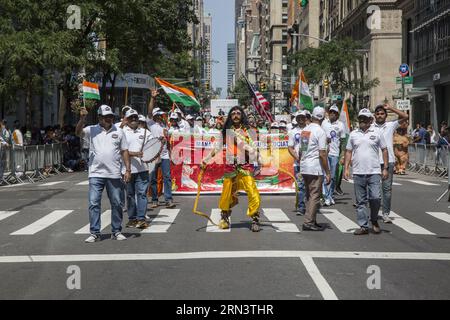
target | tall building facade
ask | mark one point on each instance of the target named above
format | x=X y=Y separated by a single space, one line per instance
x=426 y=48
x=207 y=57
x=231 y=66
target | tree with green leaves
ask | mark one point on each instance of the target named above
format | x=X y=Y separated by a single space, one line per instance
x=241 y=92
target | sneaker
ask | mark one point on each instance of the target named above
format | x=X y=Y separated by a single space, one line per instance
x=312 y=227
x=255 y=225
x=300 y=212
x=92 y=238
x=147 y=217
x=361 y=231
x=339 y=192
x=327 y=203
x=118 y=236
x=386 y=219
x=333 y=202
x=142 y=225
x=170 y=204
x=131 y=224
x=155 y=205
x=376 y=228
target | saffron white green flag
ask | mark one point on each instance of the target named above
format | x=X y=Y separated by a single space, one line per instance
x=306 y=99
x=91 y=91
x=345 y=117
x=178 y=95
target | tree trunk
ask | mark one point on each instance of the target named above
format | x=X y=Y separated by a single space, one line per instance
x=62 y=107
x=28 y=106
x=113 y=90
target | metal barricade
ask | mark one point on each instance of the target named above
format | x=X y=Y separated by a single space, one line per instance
x=429 y=159
x=18 y=153
x=30 y=163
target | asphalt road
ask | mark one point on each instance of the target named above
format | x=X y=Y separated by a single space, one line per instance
x=180 y=257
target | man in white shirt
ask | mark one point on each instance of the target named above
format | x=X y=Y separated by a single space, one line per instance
x=388 y=129
x=140 y=178
x=122 y=116
x=313 y=164
x=363 y=149
x=335 y=132
x=17 y=136
x=294 y=149
x=108 y=146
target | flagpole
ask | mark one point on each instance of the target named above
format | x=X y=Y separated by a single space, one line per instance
x=300 y=87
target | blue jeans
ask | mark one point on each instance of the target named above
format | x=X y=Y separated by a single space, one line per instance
x=165 y=166
x=328 y=190
x=387 y=189
x=301 y=190
x=114 y=189
x=137 y=195
x=367 y=190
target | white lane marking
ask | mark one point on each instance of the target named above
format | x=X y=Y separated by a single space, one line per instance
x=105 y=220
x=83 y=183
x=163 y=221
x=43 y=223
x=423 y=183
x=7 y=214
x=280 y=221
x=15 y=185
x=229 y=255
x=393 y=183
x=321 y=283
x=50 y=184
x=341 y=222
x=441 y=216
x=408 y=225
x=216 y=216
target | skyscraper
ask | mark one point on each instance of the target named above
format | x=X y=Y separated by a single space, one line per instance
x=231 y=54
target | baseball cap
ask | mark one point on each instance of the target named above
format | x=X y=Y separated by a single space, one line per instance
x=126 y=108
x=173 y=115
x=130 y=113
x=157 y=112
x=199 y=119
x=282 y=125
x=318 y=113
x=189 y=117
x=105 y=110
x=334 y=108
x=380 y=107
x=142 y=118
x=365 y=113
x=274 y=125
x=294 y=122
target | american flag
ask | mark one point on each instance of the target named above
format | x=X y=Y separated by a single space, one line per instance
x=260 y=103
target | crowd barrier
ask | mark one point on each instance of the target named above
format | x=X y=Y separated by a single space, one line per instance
x=429 y=159
x=20 y=164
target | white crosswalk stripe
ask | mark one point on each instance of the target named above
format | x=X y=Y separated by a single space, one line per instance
x=163 y=221
x=215 y=216
x=280 y=221
x=83 y=183
x=7 y=214
x=43 y=223
x=408 y=225
x=50 y=184
x=423 y=183
x=105 y=220
x=351 y=181
x=440 y=215
x=344 y=224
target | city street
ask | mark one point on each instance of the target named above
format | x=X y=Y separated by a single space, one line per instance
x=43 y=228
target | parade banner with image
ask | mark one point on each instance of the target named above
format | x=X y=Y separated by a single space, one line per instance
x=187 y=152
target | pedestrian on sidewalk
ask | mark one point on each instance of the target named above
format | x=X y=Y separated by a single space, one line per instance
x=387 y=130
x=363 y=149
x=108 y=146
x=313 y=164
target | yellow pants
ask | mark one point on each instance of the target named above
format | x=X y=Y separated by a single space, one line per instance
x=229 y=197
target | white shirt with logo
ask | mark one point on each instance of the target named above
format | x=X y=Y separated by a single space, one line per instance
x=105 y=152
x=135 y=139
x=365 y=147
x=295 y=136
x=158 y=131
x=335 y=132
x=388 y=130
x=313 y=140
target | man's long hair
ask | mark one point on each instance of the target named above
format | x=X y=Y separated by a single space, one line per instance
x=229 y=122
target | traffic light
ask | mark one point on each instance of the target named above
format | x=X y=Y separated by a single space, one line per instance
x=326 y=83
x=207 y=86
x=263 y=86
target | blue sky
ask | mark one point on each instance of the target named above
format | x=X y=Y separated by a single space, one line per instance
x=222 y=13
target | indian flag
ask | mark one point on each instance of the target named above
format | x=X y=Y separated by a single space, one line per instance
x=306 y=99
x=179 y=95
x=345 y=117
x=91 y=91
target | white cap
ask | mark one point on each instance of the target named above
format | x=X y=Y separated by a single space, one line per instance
x=157 y=112
x=142 y=118
x=130 y=113
x=282 y=125
x=212 y=122
x=318 y=113
x=334 y=108
x=365 y=113
x=199 y=119
x=274 y=125
x=105 y=110
x=126 y=108
x=189 y=117
x=173 y=115
x=294 y=122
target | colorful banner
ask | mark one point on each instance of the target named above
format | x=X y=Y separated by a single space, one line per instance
x=187 y=152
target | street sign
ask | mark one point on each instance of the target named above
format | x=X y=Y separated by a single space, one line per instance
x=336 y=98
x=403 y=105
x=404 y=70
x=408 y=80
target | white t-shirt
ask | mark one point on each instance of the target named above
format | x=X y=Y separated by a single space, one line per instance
x=17 y=137
x=105 y=158
x=295 y=136
x=335 y=132
x=158 y=131
x=365 y=147
x=135 y=139
x=313 y=140
x=388 y=130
